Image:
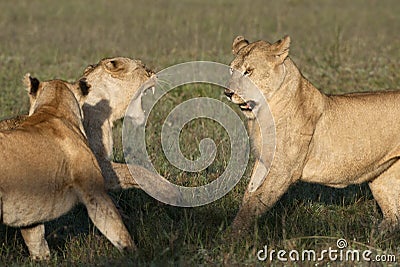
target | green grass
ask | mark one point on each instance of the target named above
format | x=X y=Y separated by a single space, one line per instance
x=341 y=46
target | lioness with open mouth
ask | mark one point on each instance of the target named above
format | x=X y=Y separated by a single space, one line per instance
x=47 y=167
x=330 y=140
x=114 y=83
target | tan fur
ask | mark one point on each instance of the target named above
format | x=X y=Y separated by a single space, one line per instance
x=12 y=123
x=48 y=167
x=115 y=82
x=331 y=140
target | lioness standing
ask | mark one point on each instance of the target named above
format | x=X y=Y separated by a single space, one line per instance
x=47 y=167
x=331 y=140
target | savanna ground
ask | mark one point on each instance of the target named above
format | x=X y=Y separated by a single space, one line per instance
x=341 y=46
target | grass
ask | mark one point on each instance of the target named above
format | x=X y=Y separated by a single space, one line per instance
x=341 y=46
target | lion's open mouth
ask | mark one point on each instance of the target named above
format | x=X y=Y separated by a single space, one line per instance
x=150 y=84
x=244 y=106
x=249 y=105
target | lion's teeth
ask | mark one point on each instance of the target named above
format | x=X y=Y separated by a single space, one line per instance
x=153 y=89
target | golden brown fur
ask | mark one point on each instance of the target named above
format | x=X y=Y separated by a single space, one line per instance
x=12 y=123
x=331 y=140
x=48 y=167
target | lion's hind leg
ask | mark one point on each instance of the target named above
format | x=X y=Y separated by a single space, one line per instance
x=386 y=191
x=106 y=218
x=35 y=241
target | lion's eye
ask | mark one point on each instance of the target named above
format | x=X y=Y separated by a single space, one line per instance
x=247 y=72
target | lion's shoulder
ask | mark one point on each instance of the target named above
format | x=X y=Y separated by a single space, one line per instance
x=12 y=123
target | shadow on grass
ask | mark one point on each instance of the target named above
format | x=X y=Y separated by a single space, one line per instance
x=170 y=235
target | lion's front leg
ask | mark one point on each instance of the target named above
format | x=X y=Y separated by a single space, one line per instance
x=125 y=178
x=35 y=241
x=164 y=191
x=386 y=191
x=106 y=218
x=258 y=202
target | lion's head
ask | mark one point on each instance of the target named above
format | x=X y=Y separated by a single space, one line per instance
x=61 y=98
x=261 y=63
x=118 y=80
x=49 y=89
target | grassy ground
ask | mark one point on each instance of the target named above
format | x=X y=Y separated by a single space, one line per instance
x=341 y=46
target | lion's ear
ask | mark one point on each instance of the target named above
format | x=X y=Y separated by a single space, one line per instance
x=280 y=49
x=238 y=44
x=115 y=65
x=31 y=84
x=84 y=86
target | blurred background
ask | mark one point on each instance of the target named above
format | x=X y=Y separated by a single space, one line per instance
x=340 y=45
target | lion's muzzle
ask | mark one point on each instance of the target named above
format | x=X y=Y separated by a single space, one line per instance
x=249 y=105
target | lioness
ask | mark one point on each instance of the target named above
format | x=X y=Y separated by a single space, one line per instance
x=47 y=167
x=115 y=82
x=331 y=140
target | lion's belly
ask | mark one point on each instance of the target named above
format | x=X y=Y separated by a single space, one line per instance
x=34 y=187
x=339 y=174
x=352 y=145
x=21 y=207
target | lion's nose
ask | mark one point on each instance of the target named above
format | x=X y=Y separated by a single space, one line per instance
x=228 y=93
x=151 y=74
